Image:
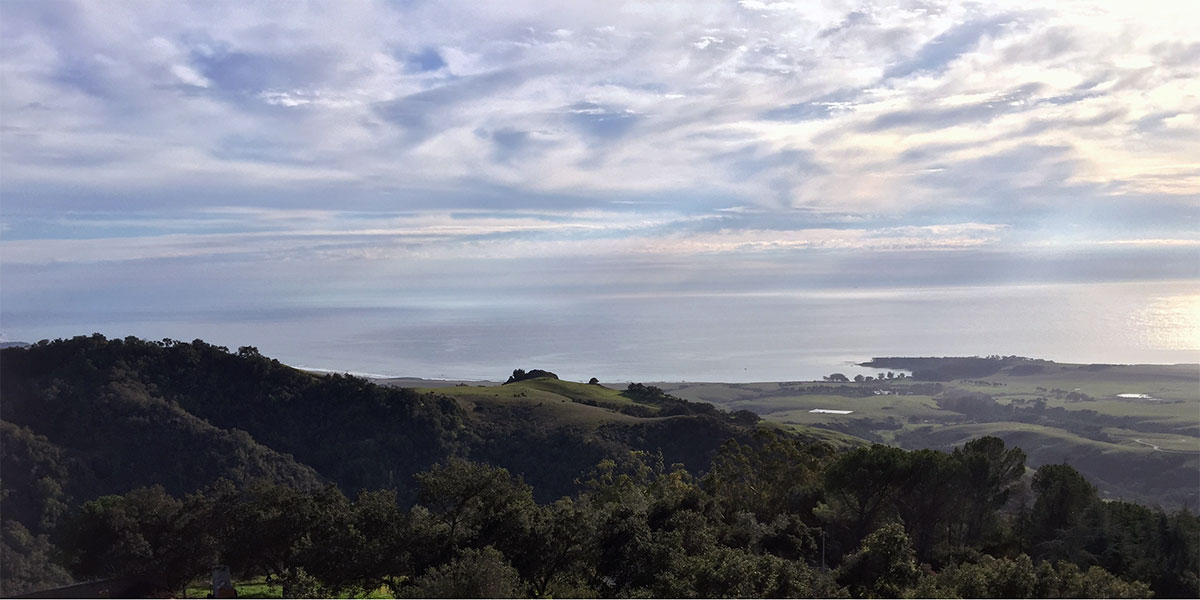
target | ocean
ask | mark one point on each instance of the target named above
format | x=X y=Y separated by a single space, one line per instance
x=719 y=336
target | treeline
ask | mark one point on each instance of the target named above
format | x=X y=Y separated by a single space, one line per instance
x=866 y=391
x=1087 y=423
x=522 y=375
x=666 y=405
x=949 y=368
x=90 y=394
x=772 y=518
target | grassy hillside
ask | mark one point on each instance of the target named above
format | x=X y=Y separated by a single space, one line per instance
x=546 y=406
x=551 y=431
x=553 y=401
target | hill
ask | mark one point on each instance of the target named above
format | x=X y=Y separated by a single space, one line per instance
x=89 y=416
x=125 y=458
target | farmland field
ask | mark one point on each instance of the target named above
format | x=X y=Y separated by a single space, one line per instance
x=1144 y=445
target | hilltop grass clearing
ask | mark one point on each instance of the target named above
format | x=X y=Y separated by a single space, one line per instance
x=553 y=401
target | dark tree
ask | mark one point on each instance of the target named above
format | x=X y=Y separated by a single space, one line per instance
x=883 y=567
x=522 y=375
x=483 y=573
x=923 y=502
x=768 y=478
x=469 y=504
x=989 y=474
x=1059 y=521
x=146 y=533
x=861 y=486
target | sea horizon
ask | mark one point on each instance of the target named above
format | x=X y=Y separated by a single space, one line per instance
x=779 y=336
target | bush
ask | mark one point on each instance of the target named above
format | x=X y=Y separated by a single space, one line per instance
x=473 y=574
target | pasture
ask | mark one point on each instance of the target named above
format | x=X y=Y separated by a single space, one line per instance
x=1143 y=448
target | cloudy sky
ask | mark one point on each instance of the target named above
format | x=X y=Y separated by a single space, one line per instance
x=219 y=156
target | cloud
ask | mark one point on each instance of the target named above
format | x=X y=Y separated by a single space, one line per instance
x=384 y=131
x=328 y=237
x=938 y=53
x=645 y=99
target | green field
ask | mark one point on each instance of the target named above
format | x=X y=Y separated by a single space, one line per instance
x=836 y=439
x=554 y=402
x=1164 y=441
x=796 y=408
x=258 y=587
x=1035 y=440
x=576 y=391
x=1144 y=449
x=1175 y=389
x=251 y=588
x=1168 y=382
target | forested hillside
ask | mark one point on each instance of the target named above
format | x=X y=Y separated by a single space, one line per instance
x=163 y=458
x=89 y=416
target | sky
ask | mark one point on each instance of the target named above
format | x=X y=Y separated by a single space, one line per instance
x=160 y=161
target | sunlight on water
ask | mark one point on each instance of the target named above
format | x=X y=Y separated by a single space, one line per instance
x=1170 y=322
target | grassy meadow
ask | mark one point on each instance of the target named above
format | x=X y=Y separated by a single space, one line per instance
x=552 y=401
x=1148 y=449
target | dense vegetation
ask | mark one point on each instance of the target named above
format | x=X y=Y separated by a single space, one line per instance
x=522 y=375
x=126 y=456
x=967 y=367
x=88 y=417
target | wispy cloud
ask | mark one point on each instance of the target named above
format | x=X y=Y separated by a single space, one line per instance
x=375 y=133
x=647 y=98
x=318 y=235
